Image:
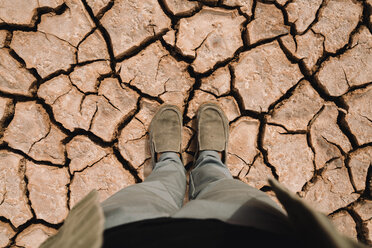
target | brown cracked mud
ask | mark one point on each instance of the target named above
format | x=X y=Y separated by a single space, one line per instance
x=80 y=82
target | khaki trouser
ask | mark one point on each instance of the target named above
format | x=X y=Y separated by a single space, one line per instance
x=213 y=194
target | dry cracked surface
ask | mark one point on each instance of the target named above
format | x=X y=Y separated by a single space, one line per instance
x=80 y=82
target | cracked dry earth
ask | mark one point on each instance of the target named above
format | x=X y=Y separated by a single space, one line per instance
x=81 y=79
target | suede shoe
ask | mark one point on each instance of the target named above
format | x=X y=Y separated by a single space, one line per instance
x=165 y=131
x=213 y=129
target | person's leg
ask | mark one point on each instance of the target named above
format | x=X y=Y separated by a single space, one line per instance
x=213 y=191
x=215 y=194
x=208 y=169
x=160 y=195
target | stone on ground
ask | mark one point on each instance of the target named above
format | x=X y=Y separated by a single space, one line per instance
x=134 y=143
x=55 y=88
x=210 y=36
x=257 y=174
x=70 y=106
x=218 y=83
x=302 y=13
x=17 y=12
x=364 y=209
x=76 y=23
x=337 y=19
x=48 y=191
x=360 y=161
x=50 y=3
x=148 y=109
x=332 y=189
x=50 y=148
x=3 y=36
x=84 y=153
x=230 y=107
x=227 y=104
x=97 y=5
x=17 y=82
x=106 y=176
x=34 y=235
x=345 y=224
x=290 y=155
x=245 y=5
x=242 y=149
x=243 y=139
x=263 y=75
x=236 y=166
x=181 y=7
x=327 y=139
x=155 y=72
x=296 y=112
x=6 y=233
x=142 y=20
x=307 y=47
x=31 y=132
x=116 y=103
x=268 y=23
x=85 y=78
x=100 y=113
x=92 y=48
x=14 y=205
x=52 y=56
x=170 y=37
x=352 y=68
x=359 y=115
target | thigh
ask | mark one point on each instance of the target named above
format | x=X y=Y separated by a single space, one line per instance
x=138 y=202
x=235 y=202
x=160 y=195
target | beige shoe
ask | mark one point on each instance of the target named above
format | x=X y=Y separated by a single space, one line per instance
x=213 y=129
x=166 y=131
